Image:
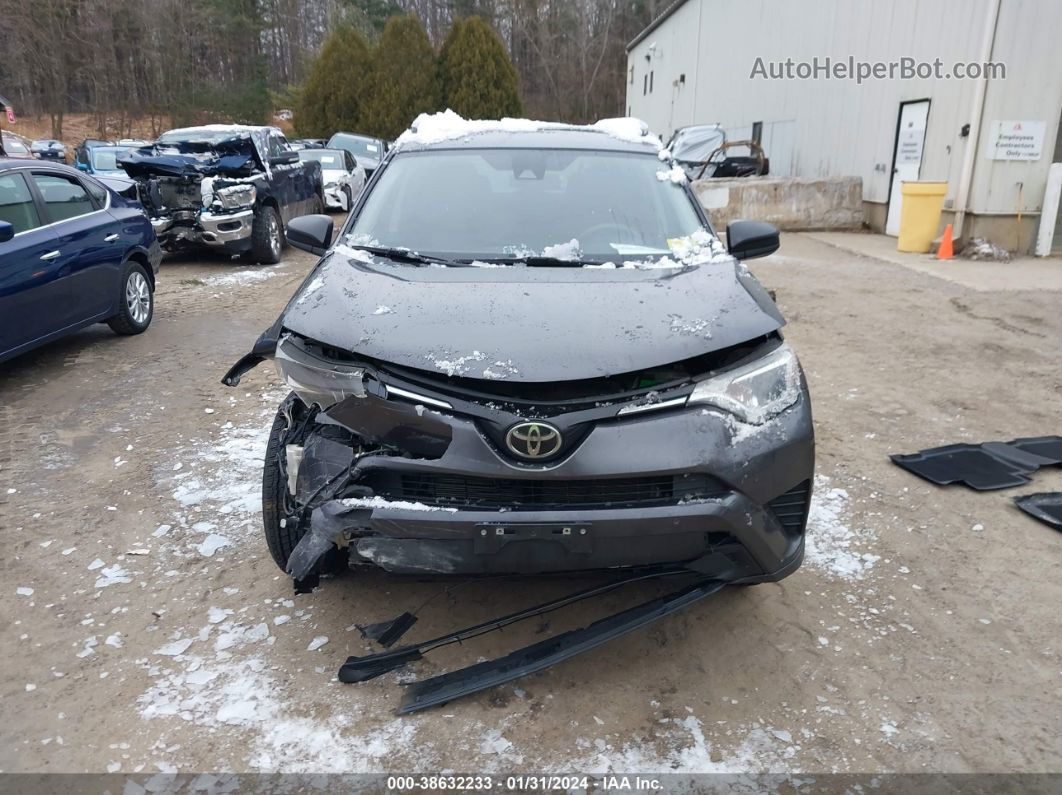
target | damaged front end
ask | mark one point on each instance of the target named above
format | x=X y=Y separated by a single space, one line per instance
x=413 y=475
x=198 y=193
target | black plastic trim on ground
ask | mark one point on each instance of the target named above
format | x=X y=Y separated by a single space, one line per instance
x=1045 y=506
x=360 y=669
x=541 y=655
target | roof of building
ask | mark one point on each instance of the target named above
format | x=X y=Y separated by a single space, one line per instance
x=660 y=20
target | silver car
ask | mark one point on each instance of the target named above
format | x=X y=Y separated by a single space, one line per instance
x=342 y=175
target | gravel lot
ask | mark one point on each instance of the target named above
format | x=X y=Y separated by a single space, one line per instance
x=145 y=628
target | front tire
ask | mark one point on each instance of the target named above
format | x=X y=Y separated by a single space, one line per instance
x=136 y=302
x=267 y=238
x=280 y=540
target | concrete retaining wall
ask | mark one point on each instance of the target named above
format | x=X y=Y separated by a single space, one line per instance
x=790 y=203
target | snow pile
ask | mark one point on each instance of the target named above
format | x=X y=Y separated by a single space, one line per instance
x=241 y=277
x=674 y=174
x=830 y=543
x=566 y=252
x=432 y=128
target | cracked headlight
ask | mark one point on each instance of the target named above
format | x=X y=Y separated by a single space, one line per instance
x=317 y=380
x=754 y=392
x=236 y=196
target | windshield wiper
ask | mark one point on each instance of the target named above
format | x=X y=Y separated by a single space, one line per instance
x=405 y=255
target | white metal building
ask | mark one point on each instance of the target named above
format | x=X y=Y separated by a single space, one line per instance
x=695 y=64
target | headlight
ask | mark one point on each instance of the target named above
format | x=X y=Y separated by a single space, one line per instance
x=317 y=380
x=236 y=196
x=756 y=391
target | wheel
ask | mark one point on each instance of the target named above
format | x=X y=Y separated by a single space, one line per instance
x=280 y=540
x=349 y=198
x=266 y=236
x=136 y=302
x=318 y=206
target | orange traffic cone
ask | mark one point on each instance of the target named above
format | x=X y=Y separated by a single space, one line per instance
x=945 y=251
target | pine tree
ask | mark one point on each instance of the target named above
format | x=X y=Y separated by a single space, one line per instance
x=333 y=96
x=404 y=79
x=477 y=77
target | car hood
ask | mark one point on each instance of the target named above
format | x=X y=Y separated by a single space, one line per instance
x=236 y=157
x=528 y=324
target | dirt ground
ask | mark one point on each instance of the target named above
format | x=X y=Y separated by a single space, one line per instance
x=145 y=628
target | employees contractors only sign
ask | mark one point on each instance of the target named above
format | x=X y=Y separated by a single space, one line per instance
x=1015 y=140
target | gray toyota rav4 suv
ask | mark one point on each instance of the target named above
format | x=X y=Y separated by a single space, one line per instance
x=526 y=351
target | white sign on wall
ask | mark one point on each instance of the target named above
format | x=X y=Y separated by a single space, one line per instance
x=1015 y=140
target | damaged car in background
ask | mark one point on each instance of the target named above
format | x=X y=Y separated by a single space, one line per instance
x=525 y=353
x=230 y=187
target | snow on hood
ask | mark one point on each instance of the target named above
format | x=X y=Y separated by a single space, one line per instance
x=431 y=128
x=469 y=321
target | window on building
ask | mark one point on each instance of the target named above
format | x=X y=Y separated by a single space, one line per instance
x=645 y=85
x=650 y=82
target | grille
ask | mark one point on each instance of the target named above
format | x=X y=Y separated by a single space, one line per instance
x=792 y=507
x=466 y=492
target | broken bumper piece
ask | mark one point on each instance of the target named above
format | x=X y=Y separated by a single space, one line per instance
x=444 y=688
x=541 y=655
x=1046 y=506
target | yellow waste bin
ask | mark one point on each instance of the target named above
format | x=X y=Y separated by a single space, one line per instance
x=920 y=214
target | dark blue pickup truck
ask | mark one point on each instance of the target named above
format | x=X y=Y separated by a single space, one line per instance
x=230 y=187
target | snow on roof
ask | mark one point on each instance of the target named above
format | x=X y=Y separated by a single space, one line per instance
x=431 y=128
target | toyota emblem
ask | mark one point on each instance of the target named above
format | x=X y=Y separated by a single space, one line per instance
x=533 y=440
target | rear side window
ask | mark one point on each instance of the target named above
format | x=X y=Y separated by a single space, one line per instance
x=16 y=203
x=64 y=197
x=99 y=193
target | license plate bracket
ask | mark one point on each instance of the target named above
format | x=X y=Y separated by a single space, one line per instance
x=576 y=537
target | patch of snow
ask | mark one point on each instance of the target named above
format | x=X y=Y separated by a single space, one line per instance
x=831 y=543
x=567 y=252
x=675 y=174
x=317 y=643
x=458 y=365
x=211 y=544
x=174 y=648
x=384 y=310
x=24 y=590
x=113 y=575
x=380 y=502
x=242 y=276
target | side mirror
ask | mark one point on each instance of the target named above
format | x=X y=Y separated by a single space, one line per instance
x=6 y=231
x=311 y=233
x=751 y=239
x=284 y=159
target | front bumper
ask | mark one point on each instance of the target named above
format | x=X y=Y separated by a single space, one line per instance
x=222 y=230
x=335 y=198
x=749 y=528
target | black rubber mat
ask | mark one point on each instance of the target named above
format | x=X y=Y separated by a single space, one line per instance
x=1046 y=506
x=986 y=466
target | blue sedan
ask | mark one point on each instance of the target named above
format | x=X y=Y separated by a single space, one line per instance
x=72 y=252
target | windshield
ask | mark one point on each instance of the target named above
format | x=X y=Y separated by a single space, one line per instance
x=519 y=203
x=106 y=159
x=371 y=148
x=329 y=160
